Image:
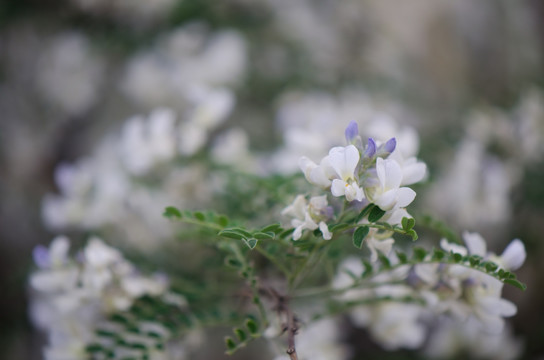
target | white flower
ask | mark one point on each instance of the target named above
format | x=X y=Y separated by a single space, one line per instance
x=309 y=216
x=393 y=325
x=481 y=293
x=319 y=175
x=511 y=259
x=337 y=171
x=344 y=161
x=375 y=244
x=384 y=189
x=145 y=142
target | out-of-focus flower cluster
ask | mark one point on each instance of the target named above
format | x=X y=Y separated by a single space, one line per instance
x=208 y=78
x=471 y=299
x=76 y=294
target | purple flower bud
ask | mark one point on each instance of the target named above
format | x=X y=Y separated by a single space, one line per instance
x=390 y=145
x=41 y=256
x=352 y=130
x=370 y=150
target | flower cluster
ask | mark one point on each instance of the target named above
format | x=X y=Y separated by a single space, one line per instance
x=76 y=294
x=436 y=288
x=373 y=174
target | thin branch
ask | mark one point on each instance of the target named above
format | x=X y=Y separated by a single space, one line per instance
x=292 y=328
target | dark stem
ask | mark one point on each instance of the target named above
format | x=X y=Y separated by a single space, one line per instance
x=284 y=311
x=292 y=328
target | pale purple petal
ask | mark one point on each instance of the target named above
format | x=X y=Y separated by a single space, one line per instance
x=41 y=256
x=352 y=130
x=390 y=145
x=370 y=150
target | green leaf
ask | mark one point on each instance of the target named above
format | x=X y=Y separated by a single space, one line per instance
x=385 y=261
x=339 y=227
x=516 y=283
x=251 y=243
x=491 y=266
x=419 y=253
x=275 y=228
x=402 y=257
x=199 y=216
x=240 y=334
x=222 y=220
x=359 y=236
x=364 y=213
x=231 y=234
x=408 y=223
x=475 y=260
x=242 y=233
x=375 y=214
x=232 y=262
x=264 y=235
x=231 y=345
x=172 y=212
x=368 y=269
x=438 y=254
x=252 y=326
x=413 y=234
x=94 y=348
x=286 y=233
x=456 y=257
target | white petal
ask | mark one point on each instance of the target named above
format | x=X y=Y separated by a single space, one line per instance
x=344 y=161
x=306 y=165
x=475 y=243
x=58 y=250
x=318 y=202
x=338 y=187
x=387 y=200
x=325 y=230
x=297 y=233
x=444 y=244
x=514 y=255
x=393 y=174
x=319 y=177
x=405 y=196
x=380 y=171
x=413 y=173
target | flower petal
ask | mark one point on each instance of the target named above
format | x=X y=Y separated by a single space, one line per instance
x=393 y=174
x=475 y=243
x=344 y=161
x=514 y=255
x=338 y=187
x=405 y=196
x=413 y=173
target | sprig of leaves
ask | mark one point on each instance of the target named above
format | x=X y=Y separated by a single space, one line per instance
x=242 y=335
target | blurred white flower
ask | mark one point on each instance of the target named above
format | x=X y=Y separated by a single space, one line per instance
x=309 y=216
x=384 y=189
x=69 y=73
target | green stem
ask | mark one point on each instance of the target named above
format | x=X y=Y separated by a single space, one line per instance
x=273 y=260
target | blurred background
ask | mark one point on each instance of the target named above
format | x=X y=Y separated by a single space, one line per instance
x=468 y=76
